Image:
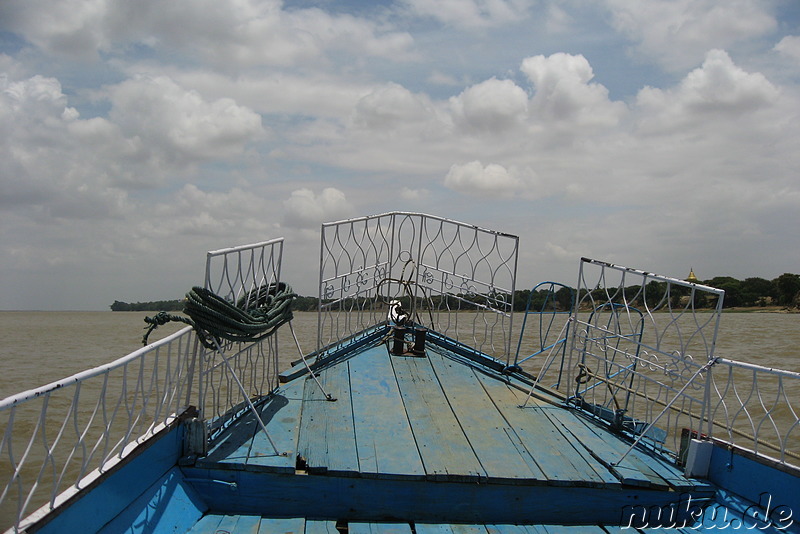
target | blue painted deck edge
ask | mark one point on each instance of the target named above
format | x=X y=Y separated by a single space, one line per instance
x=371 y=499
x=349 y=347
x=466 y=351
x=111 y=495
x=169 y=505
x=759 y=483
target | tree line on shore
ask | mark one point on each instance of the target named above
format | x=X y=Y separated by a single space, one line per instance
x=781 y=291
x=156 y=305
x=754 y=292
x=750 y=292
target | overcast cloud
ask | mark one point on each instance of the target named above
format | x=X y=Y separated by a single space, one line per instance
x=135 y=136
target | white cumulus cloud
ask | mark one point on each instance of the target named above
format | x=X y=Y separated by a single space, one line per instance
x=470 y=13
x=181 y=121
x=493 y=105
x=229 y=34
x=390 y=106
x=565 y=93
x=677 y=33
x=717 y=88
x=789 y=46
x=475 y=179
x=305 y=209
x=45 y=160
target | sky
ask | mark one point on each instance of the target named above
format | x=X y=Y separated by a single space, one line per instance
x=662 y=135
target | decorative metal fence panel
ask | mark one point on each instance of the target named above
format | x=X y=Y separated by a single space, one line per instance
x=58 y=434
x=544 y=329
x=642 y=358
x=640 y=345
x=451 y=276
x=756 y=408
x=236 y=274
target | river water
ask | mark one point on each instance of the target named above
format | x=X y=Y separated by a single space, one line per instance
x=40 y=347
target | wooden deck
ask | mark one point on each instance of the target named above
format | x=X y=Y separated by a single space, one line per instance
x=437 y=438
x=716 y=517
x=215 y=524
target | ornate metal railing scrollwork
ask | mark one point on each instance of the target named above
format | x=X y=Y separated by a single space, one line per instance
x=667 y=372
x=456 y=278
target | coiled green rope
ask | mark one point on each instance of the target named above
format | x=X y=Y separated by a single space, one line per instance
x=256 y=315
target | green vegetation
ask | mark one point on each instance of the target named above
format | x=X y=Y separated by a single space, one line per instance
x=754 y=292
x=751 y=292
x=305 y=304
x=157 y=305
x=782 y=291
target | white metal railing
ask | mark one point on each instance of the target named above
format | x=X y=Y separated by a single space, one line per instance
x=453 y=277
x=58 y=434
x=236 y=274
x=548 y=304
x=756 y=408
x=58 y=437
x=641 y=356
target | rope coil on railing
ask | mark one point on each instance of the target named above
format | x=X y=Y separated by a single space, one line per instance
x=255 y=316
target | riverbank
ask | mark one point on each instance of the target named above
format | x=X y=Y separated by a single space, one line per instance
x=760 y=309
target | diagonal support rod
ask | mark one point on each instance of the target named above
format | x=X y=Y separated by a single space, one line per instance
x=246 y=397
x=642 y=434
x=310 y=372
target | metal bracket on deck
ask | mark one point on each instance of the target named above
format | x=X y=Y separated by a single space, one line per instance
x=399 y=345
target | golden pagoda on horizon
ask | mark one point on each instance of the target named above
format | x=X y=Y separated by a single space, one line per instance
x=691 y=278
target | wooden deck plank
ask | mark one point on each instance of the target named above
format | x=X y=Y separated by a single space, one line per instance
x=671 y=473
x=281 y=417
x=233 y=447
x=445 y=451
x=572 y=529
x=327 y=437
x=558 y=459
x=244 y=442
x=605 y=449
x=490 y=436
x=378 y=528
x=206 y=525
x=610 y=448
x=444 y=528
x=320 y=527
x=468 y=529
x=227 y=523
x=216 y=523
x=248 y=524
x=551 y=411
x=384 y=440
x=432 y=528
x=507 y=529
x=284 y=525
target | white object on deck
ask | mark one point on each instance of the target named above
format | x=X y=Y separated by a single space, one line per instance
x=698 y=458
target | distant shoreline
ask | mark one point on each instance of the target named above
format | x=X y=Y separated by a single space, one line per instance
x=760 y=309
x=735 y=309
